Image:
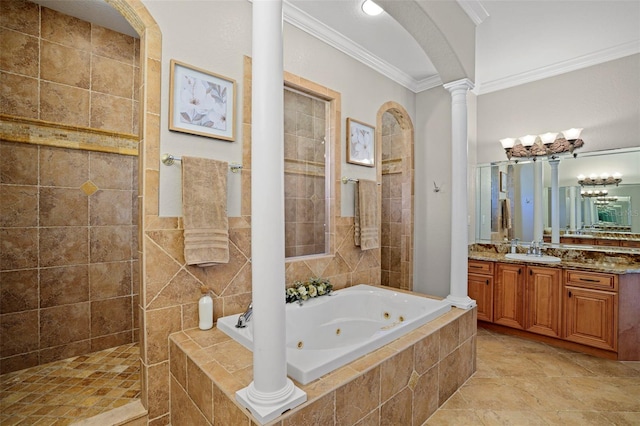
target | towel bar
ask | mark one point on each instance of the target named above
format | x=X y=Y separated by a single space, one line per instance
x=169 y=160
x=346 y=180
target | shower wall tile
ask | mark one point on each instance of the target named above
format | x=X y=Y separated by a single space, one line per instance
x=65 y=245
x=110 y=207
x=19 y=333
x=110 y=171
x=65 y=65
x=112 y=77
x=64 y=29
x=19 y=207
x=18 y=291
x=107 y=316
x=110 y=280
x=19 y=248
x=20 y=16
x=63 y=286
x=19 y=94
x=64 y=351
x=111 y=44
x=63 y=167
x=16 y=164
x=111 y=113
x=65 y=324
x=63 y=207
x=110 y=243
x=19 y=53
x=64 y=104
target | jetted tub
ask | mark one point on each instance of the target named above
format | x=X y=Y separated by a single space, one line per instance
x=328 y=332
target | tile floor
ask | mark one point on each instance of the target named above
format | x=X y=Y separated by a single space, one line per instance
x=519 y=382
x=62 y=392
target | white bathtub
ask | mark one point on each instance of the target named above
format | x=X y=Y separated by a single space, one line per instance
x=328 y=332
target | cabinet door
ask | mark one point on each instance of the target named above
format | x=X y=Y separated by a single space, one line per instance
x=590 y=317
x=481 y=290
x=508 y=295
x=543 y=301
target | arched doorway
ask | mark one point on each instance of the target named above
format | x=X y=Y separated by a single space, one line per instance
x=395 y=133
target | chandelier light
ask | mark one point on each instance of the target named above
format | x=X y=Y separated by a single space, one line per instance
x=547 y=144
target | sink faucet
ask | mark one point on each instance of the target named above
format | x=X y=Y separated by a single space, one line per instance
x=535 y=248
x=243 y=319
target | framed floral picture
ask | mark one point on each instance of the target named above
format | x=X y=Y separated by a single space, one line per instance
x=361 y=143
x=201 y=102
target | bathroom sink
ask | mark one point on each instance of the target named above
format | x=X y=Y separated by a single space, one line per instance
x=532 y=258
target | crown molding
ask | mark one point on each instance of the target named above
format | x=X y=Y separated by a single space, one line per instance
x=616 y=52
x=475 y=10
x=322 y=32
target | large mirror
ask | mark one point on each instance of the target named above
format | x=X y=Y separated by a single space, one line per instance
x=505 y=197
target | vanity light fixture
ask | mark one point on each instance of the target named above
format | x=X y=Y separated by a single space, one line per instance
x=591 y=193
x=604 y=179
x=550 y=145
x=370 y=8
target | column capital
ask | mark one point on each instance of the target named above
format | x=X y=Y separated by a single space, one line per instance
x=463 y=84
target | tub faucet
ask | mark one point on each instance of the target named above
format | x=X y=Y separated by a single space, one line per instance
x=243 y=319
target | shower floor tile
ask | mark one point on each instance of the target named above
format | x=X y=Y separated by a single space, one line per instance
x=62 y=392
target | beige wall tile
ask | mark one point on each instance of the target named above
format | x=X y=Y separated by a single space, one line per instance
x=111 y=44
x=398 y=410
x=110 y=243
x=64 y=324
x=111 y=113
x=111 y=340
x=226 y=412
x=111 y=171
x=112 y=77
x=19 y=333
x=18 y=291
x=19 y=362
x=184 y=411
x=111 y=316
x=19 y=207
x=64 y=29
x=65 y=245
x=110 y=207
x=158 y=389
x=348 y=410
x=395 y=373
x=159 y=324
x=425 y=398
x=111 y=279
x=200 y=389
x=63 y=286
x=63 y=207
x=19 y=53
x=64 y=104
x=16 y=163
x=19 y=248
x=319 y=412
x=63 y=167
x=20 y=15
x=18 y=94
x=65 y=65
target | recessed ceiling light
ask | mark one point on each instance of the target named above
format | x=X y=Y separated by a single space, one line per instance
x=370 y=8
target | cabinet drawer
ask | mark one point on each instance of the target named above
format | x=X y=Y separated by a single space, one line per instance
x=480 y=267
x=592 y=280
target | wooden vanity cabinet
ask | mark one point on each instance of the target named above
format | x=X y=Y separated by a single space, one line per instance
x=480 y=288
x=591 y=308
x=508 y=302
x=543 y=301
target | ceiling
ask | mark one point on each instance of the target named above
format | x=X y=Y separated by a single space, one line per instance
x=517 y=41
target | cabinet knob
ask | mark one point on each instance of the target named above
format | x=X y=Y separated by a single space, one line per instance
x=569 y=293
x=487 y=282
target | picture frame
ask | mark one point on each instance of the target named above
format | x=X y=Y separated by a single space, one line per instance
x=503 y=182
x=361 y=143
x=201 y=102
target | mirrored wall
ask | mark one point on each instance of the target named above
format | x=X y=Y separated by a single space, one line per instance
x=505 y=197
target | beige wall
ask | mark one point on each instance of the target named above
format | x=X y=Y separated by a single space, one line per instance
x=603 y=99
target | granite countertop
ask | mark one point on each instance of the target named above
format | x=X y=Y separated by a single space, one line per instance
x=601 y=261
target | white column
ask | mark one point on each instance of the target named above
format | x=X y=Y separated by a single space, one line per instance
x=537 y=201
x=572 y=208
x=271 y=392
x=459 y=237
x=555 y=202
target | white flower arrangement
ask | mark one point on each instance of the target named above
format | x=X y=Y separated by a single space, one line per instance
x=313 y=287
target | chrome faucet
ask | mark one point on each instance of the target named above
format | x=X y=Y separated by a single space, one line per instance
x=535 y=248
x=243 y=319
x=514 y=245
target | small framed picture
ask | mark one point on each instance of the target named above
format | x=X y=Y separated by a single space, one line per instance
x=503 y=182
x=201 y=102
x=361 y=143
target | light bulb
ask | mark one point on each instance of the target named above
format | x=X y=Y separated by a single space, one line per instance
x=548 y=138
x=593 y=176
x=370 y=8
x=508 y=142
x=528 y=140
x=572 y=134
x=604 y=176
x=617 y=175
x=581 y=177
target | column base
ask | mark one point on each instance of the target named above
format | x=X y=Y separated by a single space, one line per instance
x=461 y=302
x=264 y=409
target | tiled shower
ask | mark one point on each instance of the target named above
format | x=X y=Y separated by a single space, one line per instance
x=68 y=220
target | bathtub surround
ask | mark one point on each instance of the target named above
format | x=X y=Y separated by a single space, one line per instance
x=402 y=383
x=271 y=392
x=204 y=211
x=459 y=210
